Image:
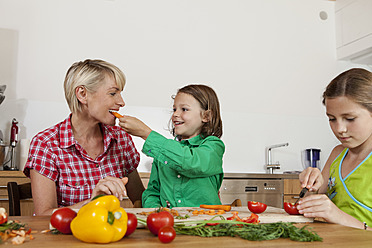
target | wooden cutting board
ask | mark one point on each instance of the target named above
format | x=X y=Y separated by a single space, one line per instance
x=271 y=215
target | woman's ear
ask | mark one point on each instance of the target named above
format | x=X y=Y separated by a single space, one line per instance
x=81 y=94
x=207 y=116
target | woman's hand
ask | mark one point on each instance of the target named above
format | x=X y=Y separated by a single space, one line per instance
x=111 y=186
x=311 y=178
x=134 y=126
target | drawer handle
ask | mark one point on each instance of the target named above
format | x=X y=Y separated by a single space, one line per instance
x=296 y=197
x=4 y=199
x=3 y=186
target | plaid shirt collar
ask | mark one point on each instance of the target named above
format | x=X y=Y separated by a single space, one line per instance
x=67 y=137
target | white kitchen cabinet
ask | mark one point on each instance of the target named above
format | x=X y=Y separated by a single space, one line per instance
x=354 y=30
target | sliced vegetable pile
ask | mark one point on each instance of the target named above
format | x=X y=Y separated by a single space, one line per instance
x=13 y=230
x=234 y=226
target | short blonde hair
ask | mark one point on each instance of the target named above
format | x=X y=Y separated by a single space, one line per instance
x=90 y=74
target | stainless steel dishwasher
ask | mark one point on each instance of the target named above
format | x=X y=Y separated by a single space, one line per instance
x=266 y=190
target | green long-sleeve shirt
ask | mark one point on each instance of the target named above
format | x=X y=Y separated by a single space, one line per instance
x=185 y=173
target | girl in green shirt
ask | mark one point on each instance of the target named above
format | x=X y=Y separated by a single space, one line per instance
x=345 y=192
x=186 y=171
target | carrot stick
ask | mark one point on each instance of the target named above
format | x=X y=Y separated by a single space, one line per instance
x=117 y=115
x=218 y=207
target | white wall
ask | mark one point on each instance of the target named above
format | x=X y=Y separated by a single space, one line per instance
x=268 y=60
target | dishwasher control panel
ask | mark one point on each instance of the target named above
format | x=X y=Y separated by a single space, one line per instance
x=268 y=191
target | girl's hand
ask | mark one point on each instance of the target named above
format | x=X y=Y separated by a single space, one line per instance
x=134 y=126
x=311 y=178
x=111 y=186
x=319 y=205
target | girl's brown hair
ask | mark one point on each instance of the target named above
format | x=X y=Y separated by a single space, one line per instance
x=355 y=84
x=208 y=100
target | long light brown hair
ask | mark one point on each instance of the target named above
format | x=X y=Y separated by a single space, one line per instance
x=208 y=100
x=355 y=84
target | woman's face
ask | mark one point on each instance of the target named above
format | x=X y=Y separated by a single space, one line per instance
x=350 y=122
x=106 y=98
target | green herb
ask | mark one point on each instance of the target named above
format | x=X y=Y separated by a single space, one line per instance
x=248 y=231
x=11 y=225
x=55 y=231
x=182 y=217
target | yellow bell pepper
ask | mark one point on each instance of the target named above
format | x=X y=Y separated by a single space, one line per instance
x=100 y=221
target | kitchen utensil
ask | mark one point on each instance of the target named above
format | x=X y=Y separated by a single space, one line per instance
x=2 y=96
x=302 y=194
x=311 y=158
x=13 y=143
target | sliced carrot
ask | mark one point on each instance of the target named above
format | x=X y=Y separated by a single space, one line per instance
x=117 y=115
x=217 y=207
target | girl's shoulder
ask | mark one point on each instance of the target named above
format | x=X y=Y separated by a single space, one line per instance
x=213 y=139
x=336 y=152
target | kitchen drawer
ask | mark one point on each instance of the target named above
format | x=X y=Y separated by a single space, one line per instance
x=292 y=186
x=27 y=206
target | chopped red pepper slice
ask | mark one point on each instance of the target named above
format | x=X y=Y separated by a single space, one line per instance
x=251 y=219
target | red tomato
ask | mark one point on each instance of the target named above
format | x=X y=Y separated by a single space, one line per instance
x=166 y=234
x=3 y=216
x=291 y=208
x=61 y=219
x=155 y=221
x=132 y=224
x=256 y=207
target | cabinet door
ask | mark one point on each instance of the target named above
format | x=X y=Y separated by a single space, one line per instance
x=27 y=206
x=292 y=186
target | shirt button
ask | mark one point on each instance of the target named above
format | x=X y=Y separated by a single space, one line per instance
x=149 y=150
x=179 y=201
x=97 y=165
x=179 y=176
x=165 y=162
x=76 y=184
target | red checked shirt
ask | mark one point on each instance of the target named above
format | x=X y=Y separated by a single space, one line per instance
x=56 y=154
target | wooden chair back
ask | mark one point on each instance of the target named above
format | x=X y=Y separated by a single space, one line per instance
x=16 y=193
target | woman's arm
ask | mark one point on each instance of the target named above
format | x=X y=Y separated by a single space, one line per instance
x=44 y=194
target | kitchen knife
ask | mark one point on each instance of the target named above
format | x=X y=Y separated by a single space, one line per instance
x=302 y=194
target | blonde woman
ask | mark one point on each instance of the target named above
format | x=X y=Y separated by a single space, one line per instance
x=86 y=154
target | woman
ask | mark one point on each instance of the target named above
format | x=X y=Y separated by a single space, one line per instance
x=86 y=154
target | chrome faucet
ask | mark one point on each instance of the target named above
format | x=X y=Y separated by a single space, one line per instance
x=270 y=166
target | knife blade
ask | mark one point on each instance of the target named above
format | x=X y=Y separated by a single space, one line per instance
x=302 y=194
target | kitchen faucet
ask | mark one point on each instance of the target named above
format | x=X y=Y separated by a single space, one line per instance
x=270 y=166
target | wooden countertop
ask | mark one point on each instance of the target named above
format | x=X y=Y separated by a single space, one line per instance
x=259 y=176
x=245 y=175
x=333 y=236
